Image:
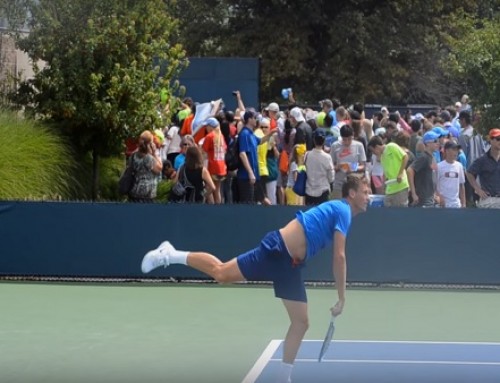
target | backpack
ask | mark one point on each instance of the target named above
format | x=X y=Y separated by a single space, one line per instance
x=180 y=188
x=232 y=156
x=127 y=180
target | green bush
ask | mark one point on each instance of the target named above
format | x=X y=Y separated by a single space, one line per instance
x=110 y=171
x=35 y=162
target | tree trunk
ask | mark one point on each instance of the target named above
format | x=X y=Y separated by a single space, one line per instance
x=95 y=174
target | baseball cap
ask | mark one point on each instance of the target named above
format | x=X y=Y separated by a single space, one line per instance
x=441 y=131
x=430 y=136
x=300 y=149
x=296 y=113
x=418 y=116
x=319 y=133
x=248 y=115
x=273 y=107
x=494 y=133
x=211 y=122
x=451 y=145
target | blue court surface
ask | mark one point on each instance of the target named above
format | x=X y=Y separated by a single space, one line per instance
x=384 y=362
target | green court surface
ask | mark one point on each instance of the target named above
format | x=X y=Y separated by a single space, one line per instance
x=204 y=332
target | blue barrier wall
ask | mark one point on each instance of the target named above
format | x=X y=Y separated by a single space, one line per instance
x=109 y=239
x=209 y=79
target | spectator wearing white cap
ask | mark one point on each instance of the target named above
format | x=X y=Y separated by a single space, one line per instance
x=273 y=112
x=303 y=131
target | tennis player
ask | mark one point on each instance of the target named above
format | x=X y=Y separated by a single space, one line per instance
x=280 y=258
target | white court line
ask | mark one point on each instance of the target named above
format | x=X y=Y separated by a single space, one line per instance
x=268 y=353
x=410 y=342
x=262 y=362
x=384 y=361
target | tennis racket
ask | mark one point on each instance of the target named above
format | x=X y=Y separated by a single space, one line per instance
x=328 y=339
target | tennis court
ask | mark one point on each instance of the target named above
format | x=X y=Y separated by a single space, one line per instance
x=385 y=362
x=54 y=332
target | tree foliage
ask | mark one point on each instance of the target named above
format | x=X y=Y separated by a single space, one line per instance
x=100 y=80
x=475 y=59
x=357 y=50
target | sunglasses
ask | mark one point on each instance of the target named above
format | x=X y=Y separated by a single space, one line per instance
x=496 y=138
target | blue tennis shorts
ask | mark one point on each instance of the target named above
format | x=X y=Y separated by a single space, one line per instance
x=272 y=262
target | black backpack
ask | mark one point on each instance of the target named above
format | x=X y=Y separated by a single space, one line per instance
x=232 y=156
x=127 y=179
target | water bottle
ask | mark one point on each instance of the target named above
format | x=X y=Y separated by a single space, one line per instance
x=285 y=92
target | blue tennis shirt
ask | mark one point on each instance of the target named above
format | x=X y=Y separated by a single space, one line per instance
x=322 y=221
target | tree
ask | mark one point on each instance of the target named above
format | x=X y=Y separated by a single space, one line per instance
x=475 y=60
x=100 y=80
x=357 y=50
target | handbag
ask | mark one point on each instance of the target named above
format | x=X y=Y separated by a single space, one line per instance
x=179 y=190
x=299 y=187
x=283 y=162
x=127 y=180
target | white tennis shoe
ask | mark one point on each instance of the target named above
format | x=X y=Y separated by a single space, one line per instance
x=157 y=257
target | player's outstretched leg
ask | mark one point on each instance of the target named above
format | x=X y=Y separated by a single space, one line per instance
x=166 y=254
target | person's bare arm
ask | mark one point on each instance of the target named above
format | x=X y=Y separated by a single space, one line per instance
x=473 y=182
x=462 y=195
x=209 y=183
x=157 y=163
x=411 y=181
x=241 y=105
x=268 y=136
x=339 y=271
x=402 y=168
x=246 y=164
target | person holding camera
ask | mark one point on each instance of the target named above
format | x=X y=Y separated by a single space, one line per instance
x=147 y=166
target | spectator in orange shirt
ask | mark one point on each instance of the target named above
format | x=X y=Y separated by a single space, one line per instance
x=215 y=146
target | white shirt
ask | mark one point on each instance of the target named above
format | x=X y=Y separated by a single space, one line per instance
x=449 y=178
x=320 y=172
x=354 y=153
x=377 y=169
x=175 y=140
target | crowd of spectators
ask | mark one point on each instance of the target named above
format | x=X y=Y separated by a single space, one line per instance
x=253 y=156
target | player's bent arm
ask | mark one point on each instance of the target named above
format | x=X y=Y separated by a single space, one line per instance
x=339 y=264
